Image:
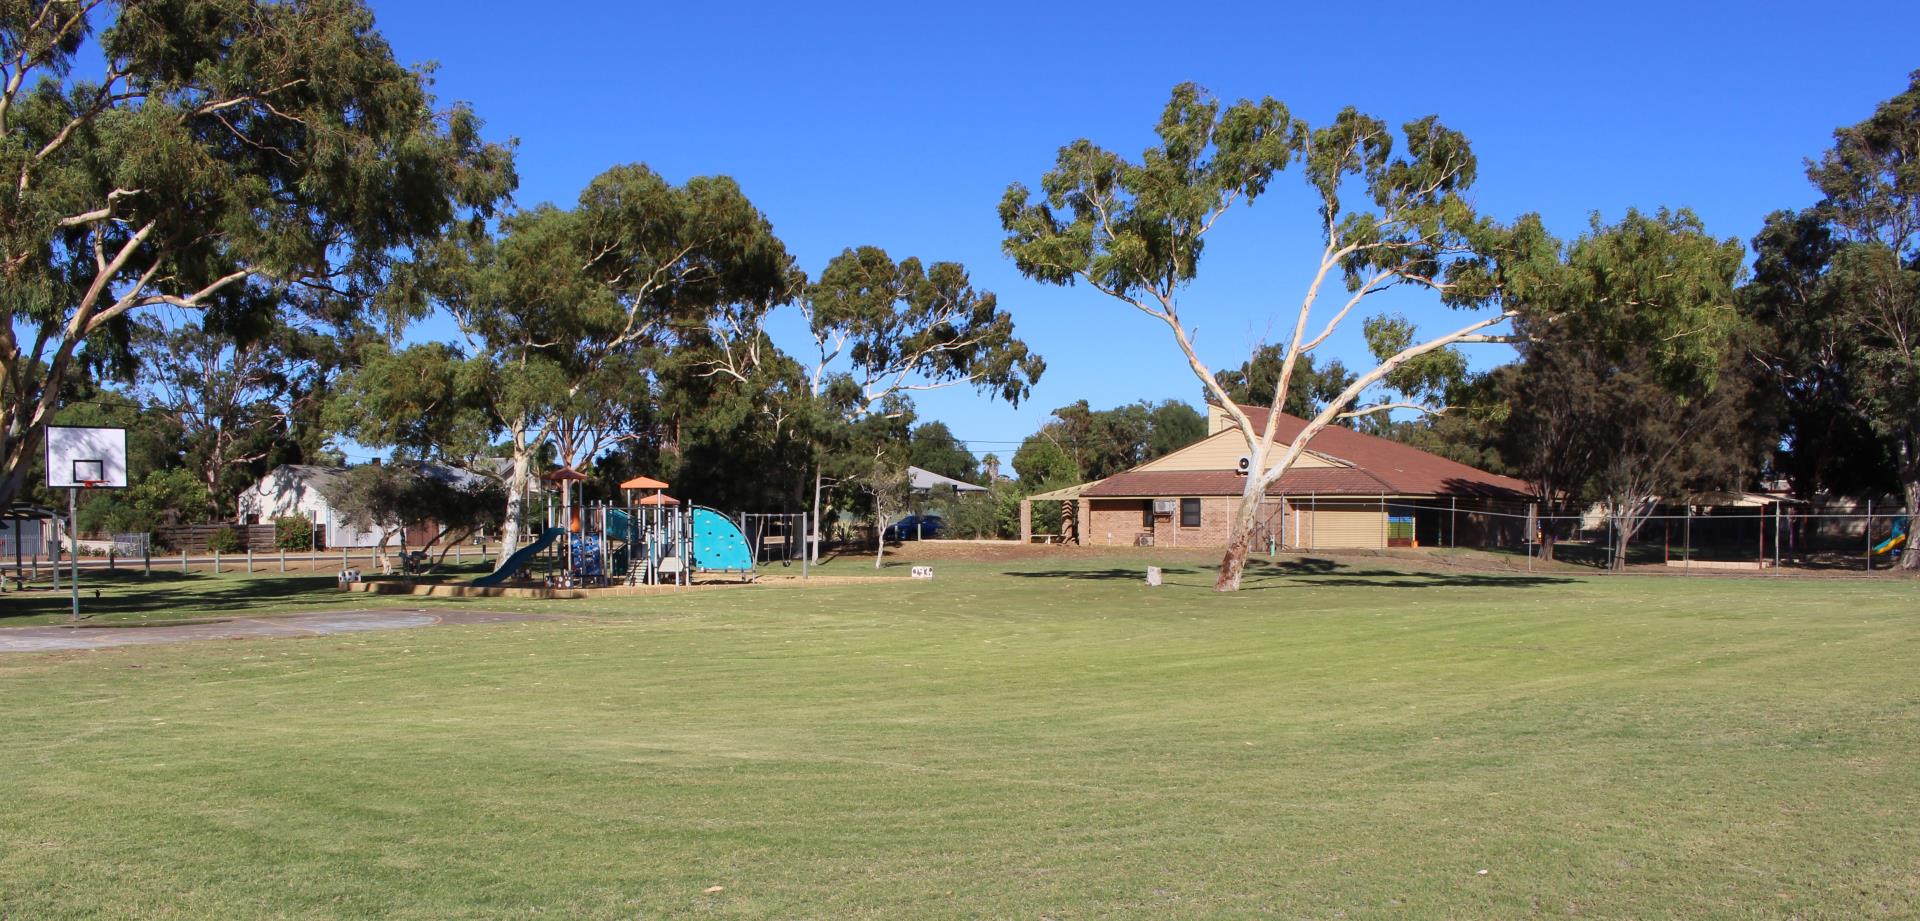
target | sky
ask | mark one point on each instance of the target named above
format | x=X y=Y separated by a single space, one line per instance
x=901 y=125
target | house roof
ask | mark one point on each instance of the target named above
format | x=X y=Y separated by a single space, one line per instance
x=1065 y=492
x=320 y=477
x=1375 y=466
x=923 y=480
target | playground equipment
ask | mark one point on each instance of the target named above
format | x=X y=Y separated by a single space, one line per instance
x=1894 y=541
x=520 y=559
x=653 y=540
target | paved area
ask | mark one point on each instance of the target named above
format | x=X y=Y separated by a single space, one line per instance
x=59 y=638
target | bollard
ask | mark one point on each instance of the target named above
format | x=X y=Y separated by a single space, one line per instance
x=249 y=561
x=183 y=561
x=216 y=562
x=283 y=559
x=111 y=560
x=146 y=555
x=1153 y=576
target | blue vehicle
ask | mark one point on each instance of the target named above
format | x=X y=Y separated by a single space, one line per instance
x=914 y=527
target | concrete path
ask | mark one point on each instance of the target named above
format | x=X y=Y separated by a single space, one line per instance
x=59 y=638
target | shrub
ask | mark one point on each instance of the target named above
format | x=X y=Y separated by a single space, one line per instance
x=225 y=540
x=293 y=532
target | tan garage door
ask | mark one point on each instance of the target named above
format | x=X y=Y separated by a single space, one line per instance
x=1344 y=525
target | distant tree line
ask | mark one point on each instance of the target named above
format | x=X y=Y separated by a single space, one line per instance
x=222 y=218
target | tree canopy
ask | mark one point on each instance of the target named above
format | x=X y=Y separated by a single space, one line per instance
x=230 y=156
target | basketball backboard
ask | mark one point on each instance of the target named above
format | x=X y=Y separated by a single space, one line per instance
x=86 y=456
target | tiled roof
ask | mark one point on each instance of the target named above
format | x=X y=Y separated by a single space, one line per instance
x=1379 y=467
x=1326 y=481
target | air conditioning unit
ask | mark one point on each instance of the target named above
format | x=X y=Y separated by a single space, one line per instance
x=1166 y=506
x=1245 y=465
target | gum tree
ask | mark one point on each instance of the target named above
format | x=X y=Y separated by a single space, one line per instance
x=230 y=156
x=574 y=311
x=1839 y=286
x=1135 y=230
x=884 y=330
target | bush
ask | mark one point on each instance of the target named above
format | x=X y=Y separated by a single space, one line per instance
x=294 y=532
x=225 y=540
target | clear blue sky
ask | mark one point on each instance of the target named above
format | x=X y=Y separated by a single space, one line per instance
x=899 y=125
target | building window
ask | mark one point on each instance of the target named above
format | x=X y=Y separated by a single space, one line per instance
x=1189 y=513
x=1146 y=514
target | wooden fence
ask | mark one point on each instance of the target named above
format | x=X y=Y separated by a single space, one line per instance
x=193 y=537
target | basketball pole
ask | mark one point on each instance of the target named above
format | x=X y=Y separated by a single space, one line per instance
x=73 y=534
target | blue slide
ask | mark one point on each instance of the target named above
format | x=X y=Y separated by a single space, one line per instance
x=619 y=526
x=520 y=558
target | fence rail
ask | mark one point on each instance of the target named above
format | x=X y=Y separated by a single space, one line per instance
x=194 y=538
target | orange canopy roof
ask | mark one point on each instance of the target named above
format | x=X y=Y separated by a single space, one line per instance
x=659 y=498
x=643 y=482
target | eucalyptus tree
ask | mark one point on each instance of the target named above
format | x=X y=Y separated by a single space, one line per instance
x=575 y=311
x=240 y=400
x=1629 y=389
x=1135 y=230
x=1840 y=286
x=232 y=156
x=884 y=330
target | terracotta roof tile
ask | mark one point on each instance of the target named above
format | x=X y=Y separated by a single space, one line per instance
x=1379 y=466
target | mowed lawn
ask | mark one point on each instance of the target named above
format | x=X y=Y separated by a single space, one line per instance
x=1039 y=739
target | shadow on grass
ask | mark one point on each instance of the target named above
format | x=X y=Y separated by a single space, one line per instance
x=1308 y=571
x=1319 y=571
x=1120 y=574
x=186 y=595
x=1115 y=573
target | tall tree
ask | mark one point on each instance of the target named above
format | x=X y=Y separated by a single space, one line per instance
x=1173 y=425
x=1135 y=231
x=1805 y=345
x=1630 y=391
x=233 y=156
x=884 y=330
x=574 y=312
x=1257 y=380
x=1840 y=285
x=240 y=402
x=934 y=448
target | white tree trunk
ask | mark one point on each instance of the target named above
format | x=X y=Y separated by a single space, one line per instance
x=1240 y=537
x=517 y=483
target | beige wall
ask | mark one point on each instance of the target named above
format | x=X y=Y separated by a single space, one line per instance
x=1336 y=525
x=1221 y=451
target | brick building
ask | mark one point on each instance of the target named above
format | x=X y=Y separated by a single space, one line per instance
x=1348 y=490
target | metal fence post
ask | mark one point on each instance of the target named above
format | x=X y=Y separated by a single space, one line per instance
x=283 y=559
x=1453 y=530
x=183 y=560
x=1686 y=542
x=1866 y=534
x=249 y=561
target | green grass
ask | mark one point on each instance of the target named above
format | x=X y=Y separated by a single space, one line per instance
x=1048 y=739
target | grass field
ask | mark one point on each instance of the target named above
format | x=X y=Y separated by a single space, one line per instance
x=1027 y=739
